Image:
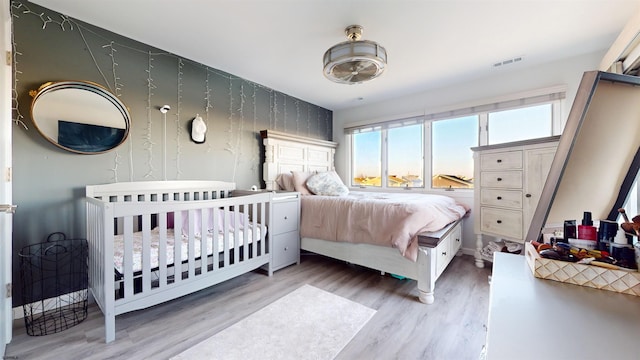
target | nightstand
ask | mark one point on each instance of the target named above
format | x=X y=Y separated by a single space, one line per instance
x=285 y=229
x=283 y=217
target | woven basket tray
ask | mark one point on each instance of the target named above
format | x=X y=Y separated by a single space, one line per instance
x=627 y=282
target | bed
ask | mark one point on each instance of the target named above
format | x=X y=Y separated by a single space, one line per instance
x=153 y=241
x=418 y=251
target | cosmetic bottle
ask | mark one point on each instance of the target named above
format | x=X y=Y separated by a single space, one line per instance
x=587 y=231
x=569 y=230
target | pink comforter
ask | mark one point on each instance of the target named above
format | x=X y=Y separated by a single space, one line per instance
x=386 y=219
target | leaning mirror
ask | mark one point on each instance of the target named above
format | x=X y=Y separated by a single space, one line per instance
x=79 y=116
x=598 y=157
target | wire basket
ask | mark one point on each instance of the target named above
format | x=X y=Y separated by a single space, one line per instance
x=54 y=284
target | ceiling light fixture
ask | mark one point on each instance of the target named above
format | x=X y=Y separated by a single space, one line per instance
x=354 y=61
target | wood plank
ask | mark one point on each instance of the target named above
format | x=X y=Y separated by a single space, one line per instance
x=454 y=327
x=432 y=239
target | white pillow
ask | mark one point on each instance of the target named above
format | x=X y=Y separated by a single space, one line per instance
x=327 y=183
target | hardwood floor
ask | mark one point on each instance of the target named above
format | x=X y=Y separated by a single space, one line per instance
x=453 y=328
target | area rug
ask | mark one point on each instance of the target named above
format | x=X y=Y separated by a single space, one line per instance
x=308 y=323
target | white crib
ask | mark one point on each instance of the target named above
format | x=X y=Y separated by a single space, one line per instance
x=146 y=243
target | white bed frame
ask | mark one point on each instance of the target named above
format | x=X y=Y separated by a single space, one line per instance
x=128 y=207
x=284 y=153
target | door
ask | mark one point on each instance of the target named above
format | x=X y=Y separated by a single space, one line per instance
x=6 y=318
x=537 y=166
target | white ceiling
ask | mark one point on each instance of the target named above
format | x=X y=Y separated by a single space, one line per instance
x=430 y=44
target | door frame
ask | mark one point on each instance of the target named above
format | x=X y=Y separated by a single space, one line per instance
x=6 y=219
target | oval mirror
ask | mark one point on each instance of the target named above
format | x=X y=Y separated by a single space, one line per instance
x=79 y=116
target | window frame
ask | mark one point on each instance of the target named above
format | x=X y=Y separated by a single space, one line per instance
x=554 y=96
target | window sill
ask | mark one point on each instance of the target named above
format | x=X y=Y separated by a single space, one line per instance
x=462 y=193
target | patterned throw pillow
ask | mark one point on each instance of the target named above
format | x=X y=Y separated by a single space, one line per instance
x=327 y=183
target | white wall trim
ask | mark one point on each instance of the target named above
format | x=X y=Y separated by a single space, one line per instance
x=627 y=40
x=18 y=312
x=6 y=195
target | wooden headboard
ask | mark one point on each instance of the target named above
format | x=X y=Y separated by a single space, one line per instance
x=286 y=152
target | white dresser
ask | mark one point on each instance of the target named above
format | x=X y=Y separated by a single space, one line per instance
x=509 y=179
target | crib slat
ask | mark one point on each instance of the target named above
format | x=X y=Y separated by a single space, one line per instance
x=215 y=241
x=146 y=252
x=236 y=238
x=245 y=232
x=128 y=256
x=162 y=250
x=177 y=248
x=254 y=233
x=190 y=246
x=204 y=237
x=225 y=236
x=266 y=240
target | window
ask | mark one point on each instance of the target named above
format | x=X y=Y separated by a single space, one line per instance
x=366 y=158
x=451 y=155
x=403 y=153
x=519 y=124
x=405 y=147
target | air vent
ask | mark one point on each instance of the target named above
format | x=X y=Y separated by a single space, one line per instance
x=507 y=62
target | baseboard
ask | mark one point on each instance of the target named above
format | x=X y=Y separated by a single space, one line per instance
x=467 y=251
x=18 y=312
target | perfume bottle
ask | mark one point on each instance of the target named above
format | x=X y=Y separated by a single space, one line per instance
x=587 y=231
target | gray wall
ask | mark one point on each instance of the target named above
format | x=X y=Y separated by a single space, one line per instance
x=48 y=182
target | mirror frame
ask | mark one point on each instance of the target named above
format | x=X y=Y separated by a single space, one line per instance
x=92 y=88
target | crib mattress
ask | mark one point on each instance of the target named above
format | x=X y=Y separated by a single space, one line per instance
x=119 y=256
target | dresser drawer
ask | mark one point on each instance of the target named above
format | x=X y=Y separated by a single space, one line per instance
x=443 y=255
x=501 y=179
x=501 y=222
x=285 y=217
x=447 y=248
x=503 y=198
x=501 y=161
x=286 y=249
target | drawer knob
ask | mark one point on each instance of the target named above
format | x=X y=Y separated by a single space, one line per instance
x=285 y=218
x=444 y=253
x=458 y=240
x=499 y=160
x=499 y=197
x=528 y=195
x=499 y=221
x=286 y=248
x=499 y=179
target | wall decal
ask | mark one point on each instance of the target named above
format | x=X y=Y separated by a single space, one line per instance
x=147 y=139
x=116 y=162
x=178 y=123
x=230 y=147
x=208 y=96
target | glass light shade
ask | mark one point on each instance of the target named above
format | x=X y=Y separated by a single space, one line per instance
x=352 y=62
